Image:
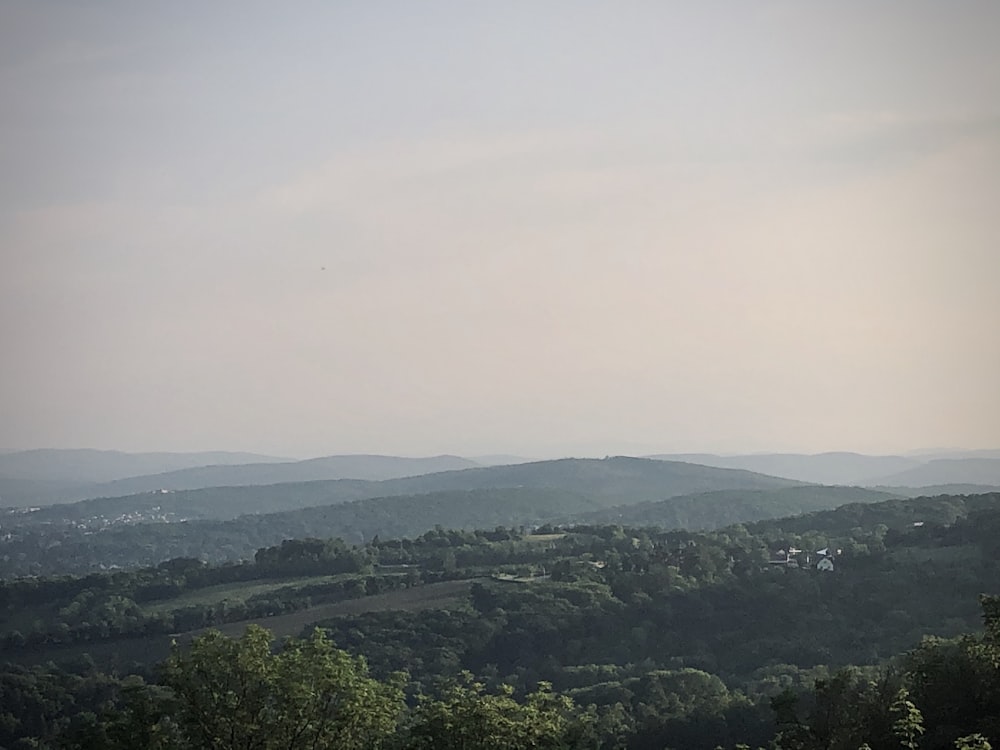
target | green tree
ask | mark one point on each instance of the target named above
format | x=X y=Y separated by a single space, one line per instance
x=973 y=742
x=908 y=722
x=241 y=695
x=466 y=717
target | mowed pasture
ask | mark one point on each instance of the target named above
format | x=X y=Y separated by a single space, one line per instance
x=122 y=654
x=442 y=595
x=544 y=538
x=238 y=592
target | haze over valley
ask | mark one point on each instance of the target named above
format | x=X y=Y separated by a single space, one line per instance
x=221 y=512
x=651 y=593
x=495 y=376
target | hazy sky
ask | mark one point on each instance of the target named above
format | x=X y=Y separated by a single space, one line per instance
x=533 y=227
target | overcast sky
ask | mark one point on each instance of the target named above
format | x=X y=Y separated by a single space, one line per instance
x=543 y=228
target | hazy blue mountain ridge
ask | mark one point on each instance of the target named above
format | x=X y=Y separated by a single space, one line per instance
x=823 y=468
x=931 y=490
x=713 y=510
x=369 y=468
x=982 y=471
x=570 y=491
x=612 y=481
x=85 y=465
x=44 y=477
x=901 y=513
x=34 y=491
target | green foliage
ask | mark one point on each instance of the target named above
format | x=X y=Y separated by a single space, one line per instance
x=467 y=717
x=957 y=682
x=973 y=742
x=712 y=510
x=40 y=703
x=239 y=694
x=231 y=522
x=908 y=722
x=669 y=638
x=226 y=694
x=309 y=556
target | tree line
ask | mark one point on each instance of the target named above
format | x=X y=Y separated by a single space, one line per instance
x=306 y=694
x=646 y=637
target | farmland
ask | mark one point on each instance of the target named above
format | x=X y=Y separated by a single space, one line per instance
x=442 y=595
x=123 y=653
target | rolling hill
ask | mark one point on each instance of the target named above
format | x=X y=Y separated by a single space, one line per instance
x=931 y=490
x=232 y=522
x=41 y=477
x=411 y=515
x=822 y=468
x=713 y=510
x=370 y=468
x=612 y=481
x=95 y=466
x=899 y=514
x=17 y=491
x=982 y=471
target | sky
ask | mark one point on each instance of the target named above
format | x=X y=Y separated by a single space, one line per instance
x=541 y=228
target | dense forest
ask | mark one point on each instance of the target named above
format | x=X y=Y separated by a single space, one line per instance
x=856 y=625
x=612 y=480
x=230 y=523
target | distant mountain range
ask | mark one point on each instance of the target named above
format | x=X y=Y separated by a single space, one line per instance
x=822 y=468
x=856 y=469
x=932 y=490
x=412 y=515
x=949 y=453
x=93 y=466
x=44 y=477
x=233 y=522
x=370 y=468
x=228 y=523
x=981 y=471
x=713 y=510
x=607 y=482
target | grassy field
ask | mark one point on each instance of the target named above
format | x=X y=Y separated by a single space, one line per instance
x=237 y=592
x=121 y=654
x=443 y=595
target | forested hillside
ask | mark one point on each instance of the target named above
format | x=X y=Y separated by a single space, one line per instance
x=842 y=468
x=712 y=510
x=95 y=466
x=216 y=524
x=40 y=477
x=369 y=468
x=822 y=468
x=650 y=638
x=983 y=470
x=612 y=481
